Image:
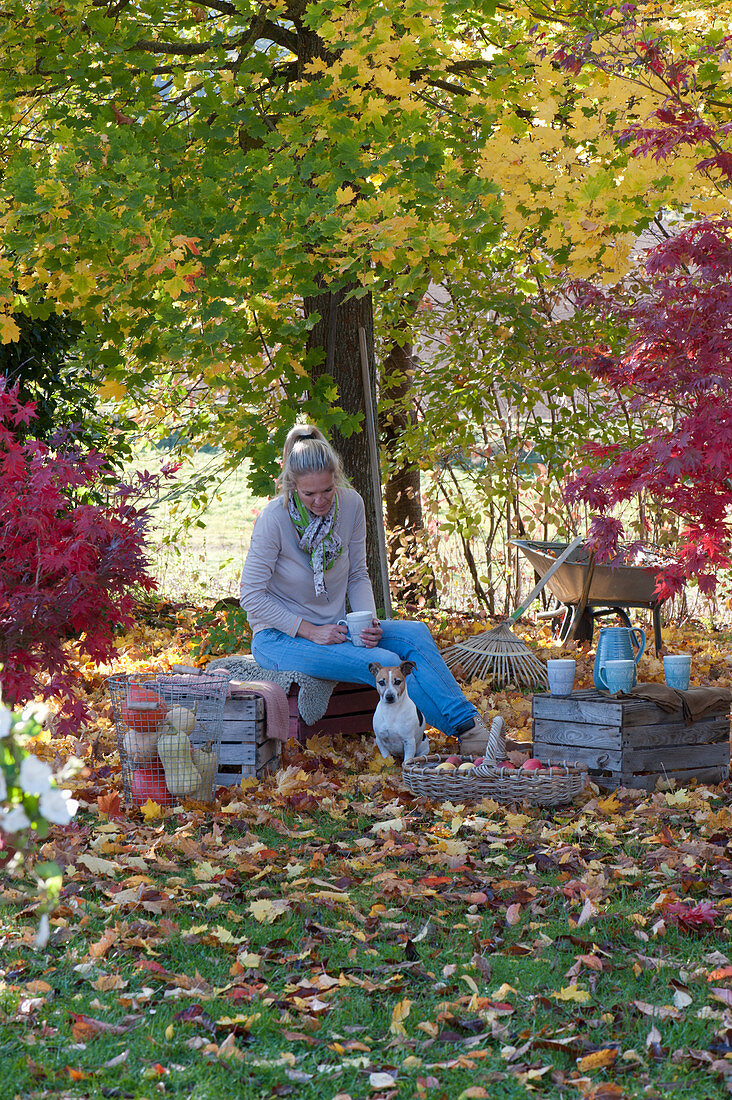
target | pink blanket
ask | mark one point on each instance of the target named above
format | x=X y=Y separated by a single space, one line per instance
x=277 y=710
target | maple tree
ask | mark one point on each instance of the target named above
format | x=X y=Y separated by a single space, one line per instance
x=676 y=366
x=222 y=193
x=587 y=81
x=68 y=565
x=220 y=190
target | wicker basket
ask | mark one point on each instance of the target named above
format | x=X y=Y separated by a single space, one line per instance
x=556 y=787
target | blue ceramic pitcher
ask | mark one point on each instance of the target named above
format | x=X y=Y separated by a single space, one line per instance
x=616 y=643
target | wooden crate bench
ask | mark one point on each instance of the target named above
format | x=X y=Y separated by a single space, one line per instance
x=247 y=751
x=245 y=748
x=630 y=742
x=350 y=711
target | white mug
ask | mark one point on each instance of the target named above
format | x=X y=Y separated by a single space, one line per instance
x=356 y=621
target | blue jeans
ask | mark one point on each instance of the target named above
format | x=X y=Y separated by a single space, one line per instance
x=431 y=686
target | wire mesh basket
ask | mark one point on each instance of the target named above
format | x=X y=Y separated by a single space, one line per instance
x=168 y=734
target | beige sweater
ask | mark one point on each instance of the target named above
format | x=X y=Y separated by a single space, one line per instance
x=277 y=588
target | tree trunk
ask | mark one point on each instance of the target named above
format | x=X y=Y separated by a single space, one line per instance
x=336 y=332
x=402 y=495
x=414 y=582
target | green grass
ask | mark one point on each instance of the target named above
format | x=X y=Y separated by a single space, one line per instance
x=199 y=554
x=394 y=938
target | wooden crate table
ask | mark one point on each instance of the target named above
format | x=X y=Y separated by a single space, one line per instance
x=630 y=742
x=246 y=750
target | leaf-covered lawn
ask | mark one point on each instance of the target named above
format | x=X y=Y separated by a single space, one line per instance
x=326 y=934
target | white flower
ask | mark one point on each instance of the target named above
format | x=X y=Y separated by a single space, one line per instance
x=6 y=717
x=14 y=820
x=3 y=786
x=57 y=806
x=35 y=775
x=44 y=931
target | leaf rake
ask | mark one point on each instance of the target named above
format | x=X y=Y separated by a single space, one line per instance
x=498 y=653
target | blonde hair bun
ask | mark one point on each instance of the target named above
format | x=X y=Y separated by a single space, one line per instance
x=307 y=451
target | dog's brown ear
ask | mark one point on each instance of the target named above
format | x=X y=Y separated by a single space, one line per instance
x=407 y=667
x=374 y=668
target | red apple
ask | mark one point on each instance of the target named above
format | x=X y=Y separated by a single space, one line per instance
x=532 y=765
x=478 y=760
x=456 y=760
x=506 y=764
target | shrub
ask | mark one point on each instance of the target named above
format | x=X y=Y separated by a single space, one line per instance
x=70 y=550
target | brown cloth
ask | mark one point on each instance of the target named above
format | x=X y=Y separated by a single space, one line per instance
x=693 y=704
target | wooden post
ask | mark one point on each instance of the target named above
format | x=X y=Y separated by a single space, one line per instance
x=375 y=469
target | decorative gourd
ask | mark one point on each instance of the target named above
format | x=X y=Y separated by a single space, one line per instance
x=174 y=750
x=147 y=783
x=140 y=745
x=143 y=709
x=207 y=764
x=181 y=719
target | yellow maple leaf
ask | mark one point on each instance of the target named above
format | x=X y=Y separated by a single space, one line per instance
x=345 y=195
x=249 y=960
x=112 y=390
x=379 y=763
x=572 y=993
x=9 y=331
x=151 y=811
x=398 y=1016
x=609 y=805
x=267 y=910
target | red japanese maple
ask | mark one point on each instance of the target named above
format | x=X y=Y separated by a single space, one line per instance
x=677 y=362
x=67 y=563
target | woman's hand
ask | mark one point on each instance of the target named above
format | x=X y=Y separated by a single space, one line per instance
x=328 y=634
x=371 y=635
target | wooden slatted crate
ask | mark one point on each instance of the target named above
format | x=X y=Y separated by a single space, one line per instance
x=350 y=711
x=630 y=742
x=245 y=748
x=247 y=751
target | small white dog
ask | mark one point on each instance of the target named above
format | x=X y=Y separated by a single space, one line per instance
x=398 y=724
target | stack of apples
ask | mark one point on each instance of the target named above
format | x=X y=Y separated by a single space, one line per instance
x=464 y=767
x=457 y=764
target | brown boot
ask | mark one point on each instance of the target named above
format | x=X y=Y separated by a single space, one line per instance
x=481 y=741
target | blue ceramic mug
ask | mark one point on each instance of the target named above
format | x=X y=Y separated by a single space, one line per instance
x=677 y=670
x=618 y=675
x=560 y=673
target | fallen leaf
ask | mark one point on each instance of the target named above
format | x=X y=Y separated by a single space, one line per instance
x=588 y=912
x=381 y=1080
x=267 y=910
x=398 y=1016
x=572 y=993
x=598 y=1059
x=98 y=866
x=663 y=1012
x=151 y=811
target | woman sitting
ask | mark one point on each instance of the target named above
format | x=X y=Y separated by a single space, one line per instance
x=307 y=553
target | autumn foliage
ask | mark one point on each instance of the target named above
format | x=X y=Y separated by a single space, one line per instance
x=677 y=366
x=67 y=562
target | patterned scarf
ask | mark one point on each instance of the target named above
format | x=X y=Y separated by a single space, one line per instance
x=317 y=538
